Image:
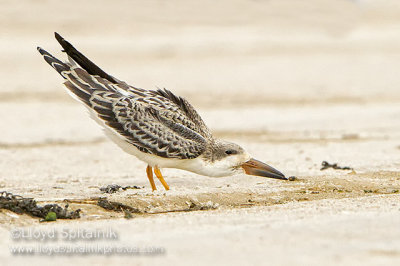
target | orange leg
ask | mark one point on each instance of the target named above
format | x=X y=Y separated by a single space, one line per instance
x=161 y=178
x=149 y=172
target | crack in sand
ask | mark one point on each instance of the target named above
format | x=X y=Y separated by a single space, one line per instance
x=121 y=204
x=49 y=143
x=294 y=137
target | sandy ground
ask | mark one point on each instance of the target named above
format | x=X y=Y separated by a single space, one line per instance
x=294 y=82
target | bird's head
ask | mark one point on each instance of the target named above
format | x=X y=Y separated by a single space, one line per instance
x=229 y=158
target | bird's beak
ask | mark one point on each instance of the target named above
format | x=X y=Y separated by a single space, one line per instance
x=255 y=167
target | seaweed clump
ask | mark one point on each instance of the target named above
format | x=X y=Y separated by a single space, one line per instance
x=21 y=205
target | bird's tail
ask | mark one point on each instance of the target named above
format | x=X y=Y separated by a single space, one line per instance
x=96 y=92
x=82 y=60
x=79 y=81
x=83 y=76
x=61 y=67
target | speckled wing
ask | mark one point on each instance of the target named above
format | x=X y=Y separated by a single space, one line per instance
x=150 y=129
x=162 y=98
x=190 y=116
x=155 y=122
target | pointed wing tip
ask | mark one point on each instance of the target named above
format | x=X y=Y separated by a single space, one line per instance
x=41 y=50
x=57 y=35
x=60 y=39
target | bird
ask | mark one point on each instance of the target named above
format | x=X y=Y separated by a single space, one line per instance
x=157 y=126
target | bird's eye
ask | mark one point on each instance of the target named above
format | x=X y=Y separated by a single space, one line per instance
x=230 y=152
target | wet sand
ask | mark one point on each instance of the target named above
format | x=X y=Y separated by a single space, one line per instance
x=295 y=84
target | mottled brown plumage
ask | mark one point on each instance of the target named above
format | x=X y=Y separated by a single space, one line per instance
x=156 y=126
x=154 y=121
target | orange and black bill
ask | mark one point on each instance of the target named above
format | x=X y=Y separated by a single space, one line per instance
x=255 y=167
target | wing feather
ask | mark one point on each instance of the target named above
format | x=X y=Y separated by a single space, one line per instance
x=156 y=122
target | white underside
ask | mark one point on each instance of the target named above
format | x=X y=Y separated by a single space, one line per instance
x=197 y=165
